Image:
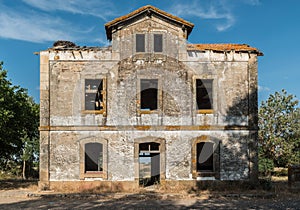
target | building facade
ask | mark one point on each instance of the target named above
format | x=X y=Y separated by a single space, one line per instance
x=150 y=108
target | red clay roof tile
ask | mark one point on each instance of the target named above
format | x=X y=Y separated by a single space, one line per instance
x=224 y=47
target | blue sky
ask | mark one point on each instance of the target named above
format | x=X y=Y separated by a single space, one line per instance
x=272 y=26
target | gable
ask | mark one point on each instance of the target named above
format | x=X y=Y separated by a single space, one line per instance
x=143 y=12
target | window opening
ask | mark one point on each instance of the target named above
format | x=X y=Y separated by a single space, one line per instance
x=149 y=92
x=204 y=94
x=205 y=156
x=93 y=157
x=140 y=43
x=94 y=94
x=158 y=43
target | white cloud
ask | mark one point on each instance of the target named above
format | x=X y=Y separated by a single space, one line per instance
x=222 y=11
x=252 y=2
x=32 y=26
x=263 y=89
x=217 y=11
x=101 y=9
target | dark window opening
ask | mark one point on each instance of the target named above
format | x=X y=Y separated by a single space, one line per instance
x=205 y=156
x=93 y=94
x=140 y=42
x=204 y=93
x=158 y=43
x=149 y=91
x=149 y=146
x=93 y=157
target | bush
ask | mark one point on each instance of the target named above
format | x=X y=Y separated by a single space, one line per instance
x=265 y=166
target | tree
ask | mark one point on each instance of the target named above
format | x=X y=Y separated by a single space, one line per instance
x=279 y=126
x=19 y=136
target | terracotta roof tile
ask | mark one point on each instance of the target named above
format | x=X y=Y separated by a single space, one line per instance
x=224 y=47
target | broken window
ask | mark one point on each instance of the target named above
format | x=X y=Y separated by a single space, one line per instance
x=158 y=43
x=140 y=42
x=204 y=97
x=94 y=94
x=93 y=157
x=149 y=92
x=205 y=152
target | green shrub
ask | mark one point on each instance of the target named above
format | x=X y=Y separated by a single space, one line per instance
x=265 y=166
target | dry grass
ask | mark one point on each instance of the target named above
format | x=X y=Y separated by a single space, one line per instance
x=13 y=184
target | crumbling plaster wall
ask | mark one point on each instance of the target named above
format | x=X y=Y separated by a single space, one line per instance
x=64 y=156
x=231 y=91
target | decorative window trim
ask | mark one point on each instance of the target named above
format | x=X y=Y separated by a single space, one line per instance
x=149 y=45
x=93 y=174
x=204 y=111
x=216 y=157
x=103 y=92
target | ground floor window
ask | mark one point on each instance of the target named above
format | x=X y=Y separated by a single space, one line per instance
x=206 y=158
x=93 y=157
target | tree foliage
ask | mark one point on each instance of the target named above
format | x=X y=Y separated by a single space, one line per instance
x=19 y=136
x=279 y=125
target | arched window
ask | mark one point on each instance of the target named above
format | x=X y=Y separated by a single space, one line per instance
x=93 y=158
x=206 y=158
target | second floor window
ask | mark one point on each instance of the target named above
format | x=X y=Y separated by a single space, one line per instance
x=158 y=43
x=140 y=43
x=149 y=94
x=204 y=98
x=94 y=94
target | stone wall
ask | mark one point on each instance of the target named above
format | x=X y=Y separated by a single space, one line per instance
x=65 y=156
x=232 y=123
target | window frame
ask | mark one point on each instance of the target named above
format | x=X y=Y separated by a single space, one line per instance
x=103 y=92
x=204 y=111
x=136 y=42
x=93 y=174
x=216 y=157
x=159 y=96
x=162 y=42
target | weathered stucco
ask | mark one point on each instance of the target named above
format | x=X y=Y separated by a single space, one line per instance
x=232 y=123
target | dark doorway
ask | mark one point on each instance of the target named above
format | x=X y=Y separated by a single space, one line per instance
x=149 y=164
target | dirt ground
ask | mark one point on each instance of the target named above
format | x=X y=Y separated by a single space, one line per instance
x=25 y=195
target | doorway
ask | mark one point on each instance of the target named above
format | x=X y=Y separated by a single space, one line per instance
x=149 y=163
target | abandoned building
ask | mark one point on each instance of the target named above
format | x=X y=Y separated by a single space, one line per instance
x=150 y=108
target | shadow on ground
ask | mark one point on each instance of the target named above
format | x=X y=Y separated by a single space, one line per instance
x=11 y=184
x=150 y=201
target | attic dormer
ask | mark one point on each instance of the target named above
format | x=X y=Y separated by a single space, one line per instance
x=148 y=30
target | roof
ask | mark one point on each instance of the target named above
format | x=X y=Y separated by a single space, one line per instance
x=149 y=10
x=224 y=48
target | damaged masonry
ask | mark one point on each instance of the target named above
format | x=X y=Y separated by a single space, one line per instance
x=148 y=109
